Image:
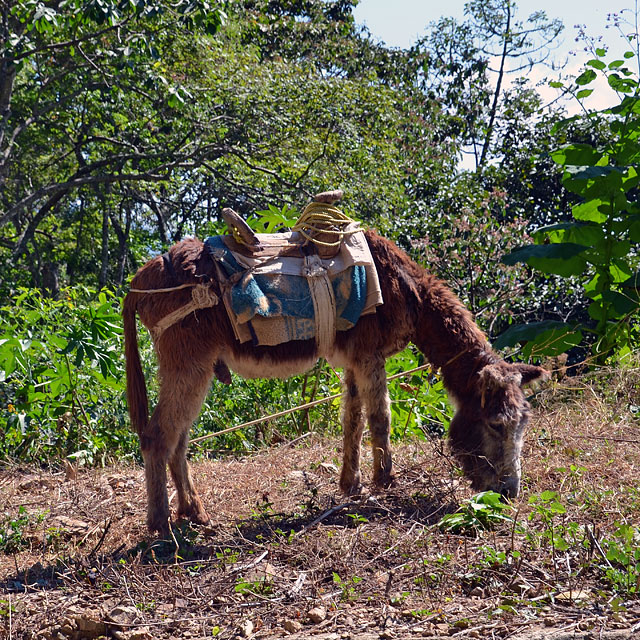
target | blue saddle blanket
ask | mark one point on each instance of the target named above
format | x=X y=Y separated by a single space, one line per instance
x=275 y=289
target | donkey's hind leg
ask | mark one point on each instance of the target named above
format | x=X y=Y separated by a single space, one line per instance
x=352 y=428
x=372 y=382
x=182 y=391
x=189 y=503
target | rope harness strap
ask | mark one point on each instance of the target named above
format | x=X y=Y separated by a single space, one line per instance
x=202 y=297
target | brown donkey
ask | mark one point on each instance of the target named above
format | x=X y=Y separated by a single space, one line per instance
x=485 y=435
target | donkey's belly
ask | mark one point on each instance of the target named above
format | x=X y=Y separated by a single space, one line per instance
x=267 y=367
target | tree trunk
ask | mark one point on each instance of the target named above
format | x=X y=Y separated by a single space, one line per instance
x=104 y=256
x=496 y=94
x=123 y=239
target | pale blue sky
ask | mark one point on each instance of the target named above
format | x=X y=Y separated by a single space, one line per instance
x=399 y=22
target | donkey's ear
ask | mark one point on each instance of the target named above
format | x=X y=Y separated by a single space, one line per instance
x=530 y=372
x=497 y=376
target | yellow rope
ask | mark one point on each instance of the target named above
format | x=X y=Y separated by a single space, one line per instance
x=320 y=217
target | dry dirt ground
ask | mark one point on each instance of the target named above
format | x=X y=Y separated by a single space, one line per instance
x=286 y=555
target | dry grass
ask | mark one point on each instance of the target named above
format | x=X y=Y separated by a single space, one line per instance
x=286 y=554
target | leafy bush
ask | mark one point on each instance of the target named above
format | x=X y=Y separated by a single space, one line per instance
x=599 y=245
x=63 y=377
x=63 y=388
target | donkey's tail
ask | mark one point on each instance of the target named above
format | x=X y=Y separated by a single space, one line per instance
x=136 y=386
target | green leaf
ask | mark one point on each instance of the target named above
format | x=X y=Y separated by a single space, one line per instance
x=554 y=84
x=623 y=303
x=547 y=338
x=622 y=85
x=563 y=258
x=576 y=154
x=597 y=64
x=593 y=182
x=616 y=64
x=589 y=211
x=584 y=93
x=629 y=54
x=601 y=52
x=586 y=77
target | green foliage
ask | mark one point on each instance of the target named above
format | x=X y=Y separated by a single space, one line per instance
x=621 y=566
x=481 y=512
x=13 y=530
x=615 y=558
x=57 y=359
x=419 y=403
x=348 y=585
x=599 y=244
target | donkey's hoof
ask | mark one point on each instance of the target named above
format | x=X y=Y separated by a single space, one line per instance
x=351 y=488
x=195 y=515
x=384 y=480
x=160 y=527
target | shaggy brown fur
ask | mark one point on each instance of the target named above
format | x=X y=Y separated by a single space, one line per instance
x=485 y=434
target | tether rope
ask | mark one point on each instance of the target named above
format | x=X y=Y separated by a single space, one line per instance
x=307 y=405
x=167 y=289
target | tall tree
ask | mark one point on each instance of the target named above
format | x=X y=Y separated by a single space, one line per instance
x=465 y=66
x=84 y=96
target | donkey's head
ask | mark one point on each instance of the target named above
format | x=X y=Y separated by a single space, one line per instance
x=487 y=431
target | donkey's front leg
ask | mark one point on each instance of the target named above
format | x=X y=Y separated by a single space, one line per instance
x=372 y=381
x=352 y=428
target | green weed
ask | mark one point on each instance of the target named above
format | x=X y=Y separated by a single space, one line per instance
x=481 y=512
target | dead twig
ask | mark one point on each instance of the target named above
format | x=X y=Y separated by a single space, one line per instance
x=323 y=516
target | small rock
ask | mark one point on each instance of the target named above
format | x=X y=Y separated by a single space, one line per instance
x=90 y=625
x=519 y=584
x=292 y=626
x=386 y=635
x=247 y=628
x=123 y=615
x=317 y=614
x=141 y=633
x=72 y=525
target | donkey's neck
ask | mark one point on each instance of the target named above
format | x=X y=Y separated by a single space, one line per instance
x=448 y=336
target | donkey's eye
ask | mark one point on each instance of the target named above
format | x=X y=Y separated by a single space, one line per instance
x=498 y=427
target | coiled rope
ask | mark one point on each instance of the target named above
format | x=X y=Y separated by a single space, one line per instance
x=322 y=218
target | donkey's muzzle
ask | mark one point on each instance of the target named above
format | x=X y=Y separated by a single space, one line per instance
x=509 y=488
